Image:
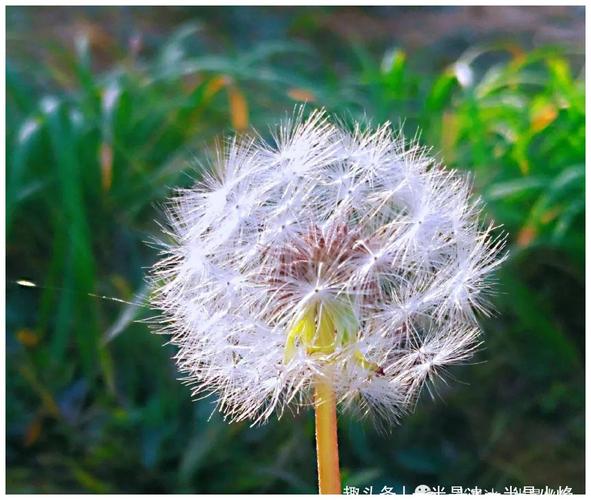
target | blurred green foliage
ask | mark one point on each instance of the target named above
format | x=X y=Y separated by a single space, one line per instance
x=92 y=400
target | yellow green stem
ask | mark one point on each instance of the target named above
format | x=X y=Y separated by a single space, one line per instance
x=327 y=450
x=320 y=328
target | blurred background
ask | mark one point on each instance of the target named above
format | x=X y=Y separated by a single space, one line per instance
x=107 y=109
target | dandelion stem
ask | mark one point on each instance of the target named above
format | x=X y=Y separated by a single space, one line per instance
x=327 y=449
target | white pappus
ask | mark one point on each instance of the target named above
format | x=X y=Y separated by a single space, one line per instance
x=329 y=252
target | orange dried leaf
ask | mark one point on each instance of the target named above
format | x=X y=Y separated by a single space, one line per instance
x=543 y=117
x=238 y=109
x=27 y=337
x=301 y=95
x=526 y=236
x=33 y=432
x=517 y=53
x=106 y=161
x=215 y=85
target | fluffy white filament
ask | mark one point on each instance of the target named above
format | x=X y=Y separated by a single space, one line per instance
x=359 y=233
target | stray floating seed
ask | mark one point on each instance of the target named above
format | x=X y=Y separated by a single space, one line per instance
x=26 y=283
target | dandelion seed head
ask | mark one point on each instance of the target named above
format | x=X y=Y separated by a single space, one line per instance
x=351 y=255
